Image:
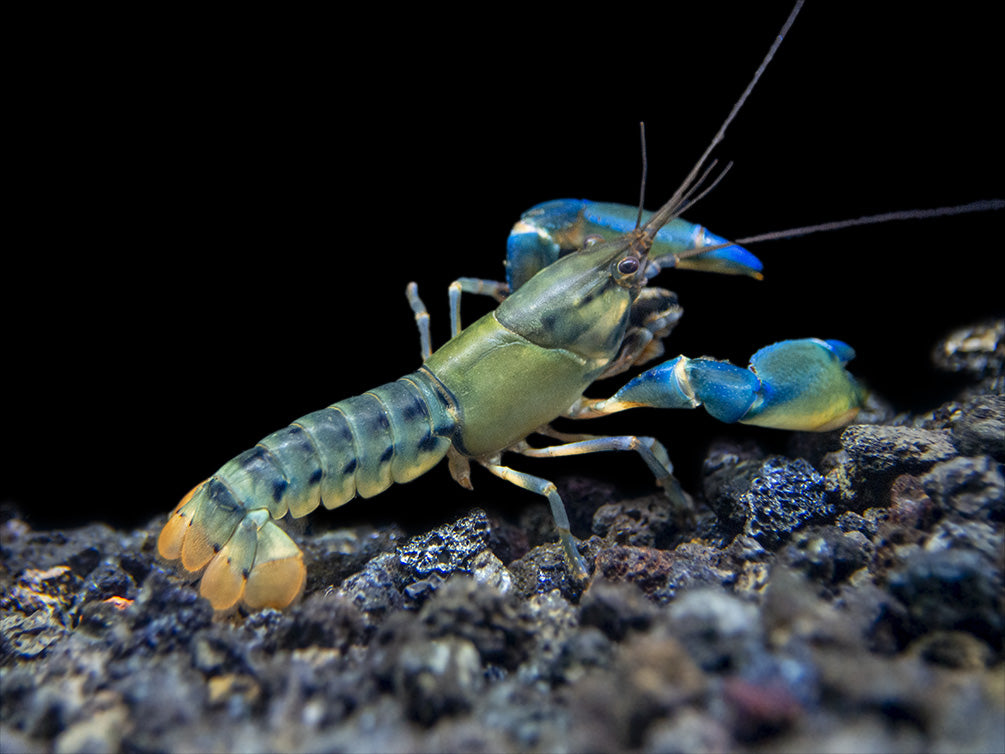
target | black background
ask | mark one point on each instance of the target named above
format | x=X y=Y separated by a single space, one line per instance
x=216 y=217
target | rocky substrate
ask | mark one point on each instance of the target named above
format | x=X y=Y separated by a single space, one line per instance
x=845 y=596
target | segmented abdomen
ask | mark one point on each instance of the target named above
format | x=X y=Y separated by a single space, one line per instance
x=361 y=445
x=393 y=433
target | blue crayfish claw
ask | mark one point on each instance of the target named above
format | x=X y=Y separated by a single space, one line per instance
x=552 y=229
x=793 y=384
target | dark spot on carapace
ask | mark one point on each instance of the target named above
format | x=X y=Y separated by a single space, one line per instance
x=253 y=457
x=221 y=495
x=335 y=420
x=588 y=298
x=444 y=430
x=413 y=409
x=387 y=454
x=350 y=467
x=381 y=420
x=278 y=488
x=245 y=573
x=316 y=477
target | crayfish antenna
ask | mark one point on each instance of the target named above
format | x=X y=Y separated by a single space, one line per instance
x=645 y=172
x=983 y=205
x=680 y=198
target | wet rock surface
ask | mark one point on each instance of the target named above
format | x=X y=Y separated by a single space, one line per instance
x=847 y=595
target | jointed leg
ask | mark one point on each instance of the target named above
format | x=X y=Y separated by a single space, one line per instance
x=577 y=566
x=493 y=288
x=650 y=449
x=421 y=319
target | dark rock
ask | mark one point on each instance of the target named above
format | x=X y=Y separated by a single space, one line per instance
x=689 y=730
x=51 y=591
x=720 y=632
x=726 y=476
x=447 y=549
x=951 y=590
x=973 y=487
x=543 y=569
x=79 y=549
x=555 y=622
x=325 y=620
x=653 y=675
x=798 y=618
x=851 y=521
x=979 y=427
x=334 y=556
x=760 y=710
x=979 y=536
x=953 y=649
x=644 y=522
x=437 y=678
x=108 y=580
x=169 y=697
x=507 y=540
x=84 y=561
x=876 y=455
x=977 y=350
x=166 y=614
x=615 y=608
x=661 y=574
x=911 y=509
x=827 y=554
x=784 y=495
x=583 y=651
x=489 y=619
x=883 y=450
x=29 y=636
x=376 y=590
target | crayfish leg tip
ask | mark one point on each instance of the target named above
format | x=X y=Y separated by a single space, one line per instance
x=581 y=576
x=276 y=584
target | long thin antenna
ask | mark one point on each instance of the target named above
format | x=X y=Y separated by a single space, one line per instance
x=983 y=205
x=645 y=171
x=672 y=207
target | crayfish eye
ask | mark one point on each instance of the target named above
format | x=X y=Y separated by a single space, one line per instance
x=628 y=266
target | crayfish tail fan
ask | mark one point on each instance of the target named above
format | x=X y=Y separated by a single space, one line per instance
x=246 y=556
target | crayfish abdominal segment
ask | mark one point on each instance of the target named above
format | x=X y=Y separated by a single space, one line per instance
x=564 y=321
x=393 y=433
